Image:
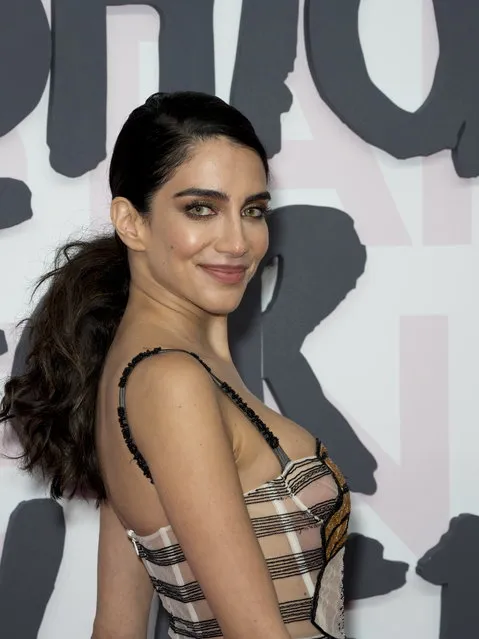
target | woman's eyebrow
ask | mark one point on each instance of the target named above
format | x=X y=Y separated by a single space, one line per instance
x=217 y=195
x=221 y=195
x=264 y=195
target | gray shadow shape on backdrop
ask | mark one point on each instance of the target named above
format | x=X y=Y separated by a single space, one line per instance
x=15 y=202
x=320 y=259
x=29 y=565
x=78 y=91
x=32 y=552
x=453 y=564
x=367 y=573
x=449 y=117
x=3 y=343
x=162 y=623
x=265 y=56
x=24 y=60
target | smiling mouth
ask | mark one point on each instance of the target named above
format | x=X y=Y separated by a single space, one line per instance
x=225 y=274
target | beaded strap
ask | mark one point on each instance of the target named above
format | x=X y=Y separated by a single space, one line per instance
x=270 y=438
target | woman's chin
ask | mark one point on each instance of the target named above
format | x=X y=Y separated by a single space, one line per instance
x=223 y=306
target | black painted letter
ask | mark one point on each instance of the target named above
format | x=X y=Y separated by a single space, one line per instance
x=448 y=119
x=77 y=115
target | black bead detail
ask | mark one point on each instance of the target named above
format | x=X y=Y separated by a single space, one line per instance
x=252 y=416
x=137 y=456
x=271 y=439
x=136 y=360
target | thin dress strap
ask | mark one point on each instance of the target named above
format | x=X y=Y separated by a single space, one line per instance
x=270 y=438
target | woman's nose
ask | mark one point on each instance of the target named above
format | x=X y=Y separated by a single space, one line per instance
x=232 y=239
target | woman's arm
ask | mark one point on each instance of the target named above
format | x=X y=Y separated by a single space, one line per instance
x=124 y=591
x=176 y=422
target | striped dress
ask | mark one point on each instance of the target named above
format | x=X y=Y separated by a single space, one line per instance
x=300 y=519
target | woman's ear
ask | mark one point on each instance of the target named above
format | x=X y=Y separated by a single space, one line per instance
x=128 y=223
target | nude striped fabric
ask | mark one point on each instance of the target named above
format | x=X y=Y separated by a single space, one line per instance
x=300 y=520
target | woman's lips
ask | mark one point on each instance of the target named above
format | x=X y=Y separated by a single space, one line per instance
x=225 y=274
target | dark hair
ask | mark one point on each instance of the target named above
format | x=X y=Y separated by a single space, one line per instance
x=51 y=405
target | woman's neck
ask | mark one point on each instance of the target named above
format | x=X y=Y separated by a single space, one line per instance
x=177 y=324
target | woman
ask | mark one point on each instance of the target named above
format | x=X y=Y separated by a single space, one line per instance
x=237 y=514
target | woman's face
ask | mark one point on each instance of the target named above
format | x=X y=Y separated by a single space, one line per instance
x=207 y=231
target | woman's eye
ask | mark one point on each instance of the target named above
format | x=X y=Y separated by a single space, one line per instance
x=255 y=211
x=199 y=210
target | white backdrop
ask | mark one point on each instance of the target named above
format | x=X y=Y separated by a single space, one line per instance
x=398 y=357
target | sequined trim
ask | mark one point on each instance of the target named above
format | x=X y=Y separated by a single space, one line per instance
x=270 y=438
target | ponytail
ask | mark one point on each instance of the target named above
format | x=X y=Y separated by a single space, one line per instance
x=51 y=405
